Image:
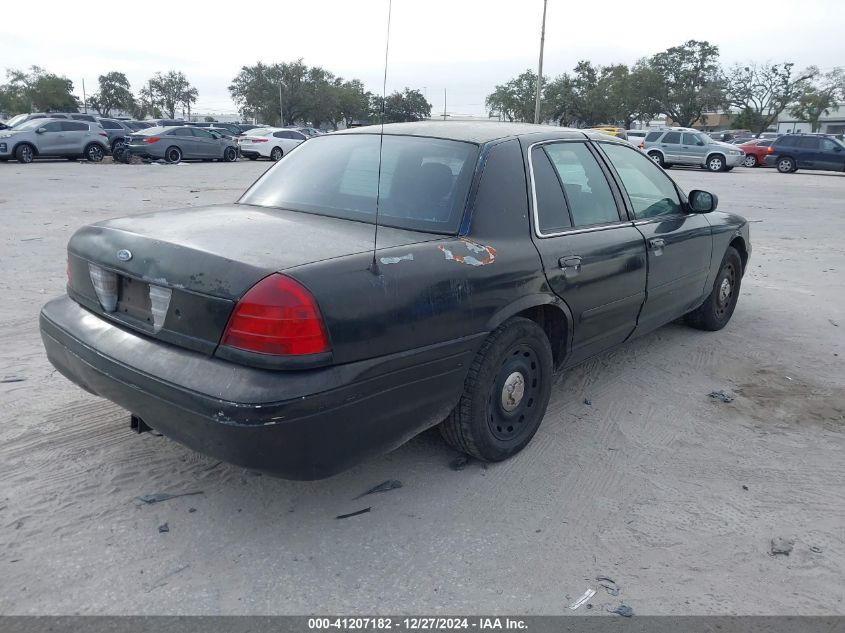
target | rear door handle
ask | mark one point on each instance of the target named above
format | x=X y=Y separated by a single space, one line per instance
x=570 y=265
x=656 y=244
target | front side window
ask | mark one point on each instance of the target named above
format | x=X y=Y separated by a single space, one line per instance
x=672 y=138
x=829 y=145
x=52 y=126
x=423 y=186
x=692 y=139
x=651 y=191
x=201 y=133
x=585 y=186
x=110 y=125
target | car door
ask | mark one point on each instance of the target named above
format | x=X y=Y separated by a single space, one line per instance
x=808 y=148
x=594 y=259
x=185 y=140
x=206 y=145
x=51 y=142
x=76 y=135
x=671 y=146
x=831 y=155
x=693 y=149
x=679 y=243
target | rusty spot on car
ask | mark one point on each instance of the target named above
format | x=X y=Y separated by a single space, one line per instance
x=489 y=254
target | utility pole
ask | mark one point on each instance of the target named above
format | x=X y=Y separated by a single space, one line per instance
x=84 y=97
x=281 y=111
x=540 y=69
x=444 y=104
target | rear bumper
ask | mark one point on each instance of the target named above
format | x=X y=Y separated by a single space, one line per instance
x=298 y=425
x=147 y=150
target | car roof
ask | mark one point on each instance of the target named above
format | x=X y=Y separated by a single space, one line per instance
x=472 y=131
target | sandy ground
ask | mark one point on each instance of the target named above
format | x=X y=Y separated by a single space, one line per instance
x=673 y=495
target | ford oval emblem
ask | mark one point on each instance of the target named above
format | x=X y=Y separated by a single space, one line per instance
x=124 y=255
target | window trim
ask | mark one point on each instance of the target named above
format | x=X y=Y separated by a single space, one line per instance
x=611 y=183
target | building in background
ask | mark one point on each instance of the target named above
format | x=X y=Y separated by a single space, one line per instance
x=831 y=123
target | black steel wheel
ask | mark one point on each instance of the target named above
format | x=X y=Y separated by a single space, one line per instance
x=718 y=308
x=506 y=393
x=230 y=154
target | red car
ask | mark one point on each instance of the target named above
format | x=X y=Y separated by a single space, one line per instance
x=755 y=151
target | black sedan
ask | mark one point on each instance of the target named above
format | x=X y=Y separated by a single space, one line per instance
x=366 y=288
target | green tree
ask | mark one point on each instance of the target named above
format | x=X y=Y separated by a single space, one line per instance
x=114 y=94
x=821 y=98
x=689 y=81
x=257 y=90
x=209 y=119
x=515 y=100
x=399 y=107
x=353 y=102
x=36 y=90
x=170 y=91
x=762 y=91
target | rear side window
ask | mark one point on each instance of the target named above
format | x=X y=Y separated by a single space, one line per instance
x=672 y=137
x=787 y=141
x=424 y=181
x=74 y=126
x=281 y=134
x=110 y=125
x=652 y=136
x=585 y=186
x=552 y=214
x=182 y=131
x=808 y=142
x=651 y=191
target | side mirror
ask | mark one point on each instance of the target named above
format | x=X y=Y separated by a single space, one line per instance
x=41 y=130
x=702 y=201
x=837 y=148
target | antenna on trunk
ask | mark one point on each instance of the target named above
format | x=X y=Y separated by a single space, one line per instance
x=374 y=267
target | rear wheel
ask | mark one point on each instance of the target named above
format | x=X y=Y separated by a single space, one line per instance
x=230 y=154
x=94 y=152
x=716 y=162
x=750 y=161
x=657 y=157
x=276 y=154
x=506 y=393
x=25 y=153
x=719 y=306
x=786 y=165
x=173 y=154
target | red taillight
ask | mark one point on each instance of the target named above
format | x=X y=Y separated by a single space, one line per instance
x=259 y=140
x=277 y=316
x=642 y=145
x=103 y=134
x=770 y=150
x=152 y=139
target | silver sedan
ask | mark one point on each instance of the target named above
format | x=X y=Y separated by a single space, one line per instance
x=178 y=143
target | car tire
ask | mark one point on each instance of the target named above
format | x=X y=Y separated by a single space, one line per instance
x=25 y=153
x=94 y=152
x=506 y=393
x=252 y=157
x=750 y=161
x=718 y=307
x=715 y=162
x=117 y=146
x=276 y=154
x=657 y=157
x=173 y=154
x=786 y=165
x=230 y=155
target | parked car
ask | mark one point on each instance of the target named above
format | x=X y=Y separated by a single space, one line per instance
x=269 y=142
x=138 y=125
x=230 y=129
x=637 y=137
x=729 y=135
x=769 y=135
x=76 y=116
x=792 y=152
x=680 y=146
x=168 y=122
x=117 y=132
x=273 y=333
x=42 y=138
x=755 y=152
x=618 y=132
x=175 y=144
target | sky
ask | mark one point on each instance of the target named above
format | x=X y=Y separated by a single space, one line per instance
x=462 y=47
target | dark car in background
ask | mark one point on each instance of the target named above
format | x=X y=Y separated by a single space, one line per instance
x=276 y=333
x=792 y=152
x=230 y=129
x=755 y=150
x=138 y=125
x=178 y=143
x=117 y=132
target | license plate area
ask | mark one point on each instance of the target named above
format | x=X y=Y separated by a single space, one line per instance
x=133 y=299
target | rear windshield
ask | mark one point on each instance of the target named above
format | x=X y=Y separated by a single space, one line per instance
x=424 y=181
